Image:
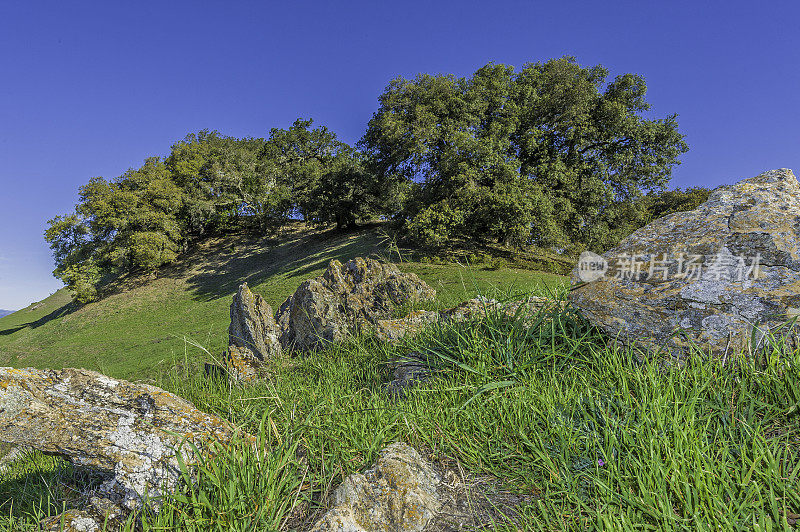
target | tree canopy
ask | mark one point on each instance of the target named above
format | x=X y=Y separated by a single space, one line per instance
x=554 y=155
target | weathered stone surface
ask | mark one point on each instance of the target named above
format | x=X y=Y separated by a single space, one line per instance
x=101 y=514
x=128 y=430
x=74 y=521
x=394 y=329
x=343 y=299
x=399 y=493
x=252 y=335
x=745 y=239
x=9 y=453
x=407 y=371
x=241 y=364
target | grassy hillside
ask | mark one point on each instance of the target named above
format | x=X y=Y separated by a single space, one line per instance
x=542 y=413
x=550 y=427
x=141 y=328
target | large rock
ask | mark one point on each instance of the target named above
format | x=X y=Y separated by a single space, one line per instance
x=720 y=275
x=100 y=515
x=399 y=493
x=391 y=330
x=347 y=297
x=130 y=431
x=252 y=335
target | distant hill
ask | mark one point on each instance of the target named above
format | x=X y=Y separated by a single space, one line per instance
x=139 y=328
x=5 y=312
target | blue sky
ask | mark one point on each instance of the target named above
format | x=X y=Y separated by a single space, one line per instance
x=92 y=88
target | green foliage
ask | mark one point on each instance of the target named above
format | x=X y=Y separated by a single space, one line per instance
x=329 y=181
x=82 y=280
x=540 y=156
x=435 y=225
x=496 y=263
x=240 y=488
x=553 y=156
x=662 y=203
x=127 y=224
x=221 y=178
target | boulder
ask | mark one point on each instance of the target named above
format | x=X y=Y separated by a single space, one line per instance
x=720 y=277
x=392 y=330
x=131 y=431
x=252 y=335
x=347 y=297
x=399 y=493
x=100 y=515
x=74 y=521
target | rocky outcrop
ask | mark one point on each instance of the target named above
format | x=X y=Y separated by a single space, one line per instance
x=131 y=431
x=720 y=277
x=252 y=335
x=391 y=330
x=100 y=515
x=347 y=297
x=399 y=493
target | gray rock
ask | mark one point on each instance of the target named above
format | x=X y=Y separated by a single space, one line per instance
x=716 y=277
x=10 y=453
x=407 y=371
x=347 y=297
x=392 y=330
x=252 y=335
x=130 y=431
x=74 y=521
x=399 y=493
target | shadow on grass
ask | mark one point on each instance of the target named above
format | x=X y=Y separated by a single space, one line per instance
x=37 y=484
x=217 y=267
x=12 y=330
x=257 y=262
x=59 y=312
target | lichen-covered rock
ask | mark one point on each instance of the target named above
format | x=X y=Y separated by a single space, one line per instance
x=242 y=365
x=715 y=277
x=392 y=330
x=74 y=521
x=129 y=430
x=347 y=297
x=101 y=514
x=399 y=493
x=252 y=335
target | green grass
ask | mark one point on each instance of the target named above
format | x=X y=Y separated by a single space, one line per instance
x=602 y=439
x=140 y=329
x=597 y=436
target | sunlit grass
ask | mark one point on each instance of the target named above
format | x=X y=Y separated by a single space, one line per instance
x=604 y=438
x=138 y=331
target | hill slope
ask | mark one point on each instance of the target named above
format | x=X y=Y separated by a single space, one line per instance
x=142 y=327
x=4 y=313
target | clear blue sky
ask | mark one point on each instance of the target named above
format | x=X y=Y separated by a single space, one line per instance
x=92 y=88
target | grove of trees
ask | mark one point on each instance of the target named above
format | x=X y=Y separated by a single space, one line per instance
x=553 y=155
